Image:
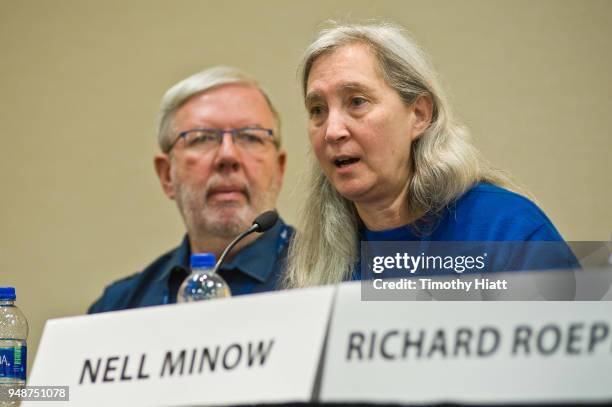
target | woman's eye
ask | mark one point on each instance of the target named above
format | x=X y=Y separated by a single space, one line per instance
x=357 y=101
x=316 y=111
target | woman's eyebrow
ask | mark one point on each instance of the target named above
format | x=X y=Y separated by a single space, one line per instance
x=312 y=96
x=343 y=87
x=356 y=86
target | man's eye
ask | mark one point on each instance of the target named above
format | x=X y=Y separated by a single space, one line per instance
x=249 y=138
x=201 y=137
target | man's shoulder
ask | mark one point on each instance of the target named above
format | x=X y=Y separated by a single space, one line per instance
x=117 y=295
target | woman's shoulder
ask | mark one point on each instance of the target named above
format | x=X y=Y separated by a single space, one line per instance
x=490 y=212
x=497 y=200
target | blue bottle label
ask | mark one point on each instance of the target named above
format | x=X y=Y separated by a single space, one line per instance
x=13 y=362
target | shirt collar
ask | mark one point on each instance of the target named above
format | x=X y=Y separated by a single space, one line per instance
x=401 y=233
x=179 y=259
x=248 y=260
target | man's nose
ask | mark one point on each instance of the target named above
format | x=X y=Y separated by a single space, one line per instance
x=336 y=130
x=228 y=155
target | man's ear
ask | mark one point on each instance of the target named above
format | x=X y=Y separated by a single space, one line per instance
x=282 y=163
x=423 y=112
x=163 y=166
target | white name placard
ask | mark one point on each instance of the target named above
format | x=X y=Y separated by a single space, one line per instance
x=251 y=349
x=467 y=352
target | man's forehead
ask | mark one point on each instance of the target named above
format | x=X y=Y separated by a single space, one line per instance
x=235 y=102
x=230 y=92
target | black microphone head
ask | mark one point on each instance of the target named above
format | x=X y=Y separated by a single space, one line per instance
x=265 y=221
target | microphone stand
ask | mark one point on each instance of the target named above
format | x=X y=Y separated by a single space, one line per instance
x=261 y=224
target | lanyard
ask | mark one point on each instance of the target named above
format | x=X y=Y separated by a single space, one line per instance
x=283 y=240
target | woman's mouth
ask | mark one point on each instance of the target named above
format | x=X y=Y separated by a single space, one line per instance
x=345 y=161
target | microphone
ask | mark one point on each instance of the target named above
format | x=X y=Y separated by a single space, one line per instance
x=265 y=221
x=262 y=223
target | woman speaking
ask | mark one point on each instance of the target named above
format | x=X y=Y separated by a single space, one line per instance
x=392 y=164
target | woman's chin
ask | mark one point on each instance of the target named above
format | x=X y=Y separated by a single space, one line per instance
x=352 y=193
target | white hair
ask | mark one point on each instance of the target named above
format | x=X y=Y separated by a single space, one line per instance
x=444 y=164
x=198 y=83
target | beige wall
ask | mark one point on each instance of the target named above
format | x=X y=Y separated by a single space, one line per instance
x=80 y=82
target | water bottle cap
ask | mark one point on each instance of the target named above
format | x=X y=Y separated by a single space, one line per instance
x=7 y=293
x=203 y=260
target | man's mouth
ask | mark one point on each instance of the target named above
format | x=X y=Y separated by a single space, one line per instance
x=227 y=193
x=345 y=161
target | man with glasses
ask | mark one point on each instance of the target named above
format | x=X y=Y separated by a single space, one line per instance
x=221 y=161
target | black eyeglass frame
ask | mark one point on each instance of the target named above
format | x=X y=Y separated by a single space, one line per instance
x=221 y=132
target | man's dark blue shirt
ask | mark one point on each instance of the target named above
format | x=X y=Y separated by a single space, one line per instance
x=257 y=267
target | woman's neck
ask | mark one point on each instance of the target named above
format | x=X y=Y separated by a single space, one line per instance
x=387 y=214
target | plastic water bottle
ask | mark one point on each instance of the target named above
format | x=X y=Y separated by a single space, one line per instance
x=13 y=349
x=203 y=283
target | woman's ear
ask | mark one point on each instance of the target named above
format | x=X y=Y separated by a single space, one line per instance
x=423 y=112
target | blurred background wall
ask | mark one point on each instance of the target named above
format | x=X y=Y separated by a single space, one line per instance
x=81 y=81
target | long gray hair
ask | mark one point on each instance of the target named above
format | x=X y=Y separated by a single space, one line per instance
x=444 y=164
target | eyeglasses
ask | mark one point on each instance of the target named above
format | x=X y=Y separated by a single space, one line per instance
x=248 y=139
